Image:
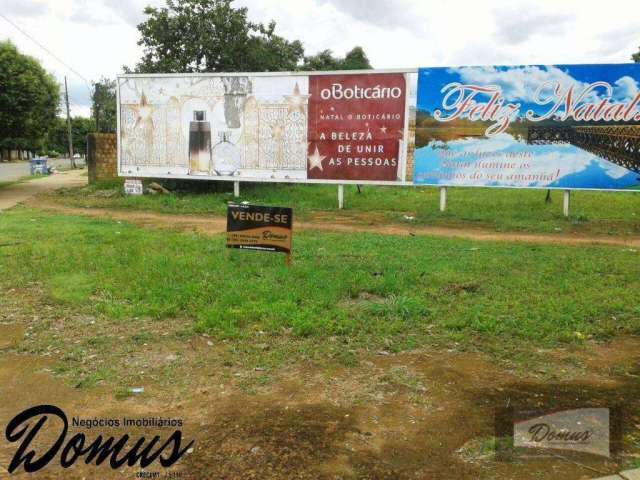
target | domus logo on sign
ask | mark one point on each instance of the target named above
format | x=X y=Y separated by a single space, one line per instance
x=338 y=92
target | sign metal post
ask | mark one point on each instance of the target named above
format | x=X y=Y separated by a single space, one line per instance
x=566 y=202
x=443 y=198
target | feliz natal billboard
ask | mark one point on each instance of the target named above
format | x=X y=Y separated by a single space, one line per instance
x=346 y=127
x=564 y=126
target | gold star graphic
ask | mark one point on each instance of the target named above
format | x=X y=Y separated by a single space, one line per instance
x=296 y=102
x=316 y=159
x=383 y=129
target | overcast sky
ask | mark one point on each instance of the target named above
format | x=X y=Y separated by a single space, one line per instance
x=97 y=37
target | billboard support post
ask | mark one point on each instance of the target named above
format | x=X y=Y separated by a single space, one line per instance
x=236 y=189
x=443 y=198
x=340 y=196
x=566 y=202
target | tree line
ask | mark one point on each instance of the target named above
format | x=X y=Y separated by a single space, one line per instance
x=182 y=36
x=30 y=121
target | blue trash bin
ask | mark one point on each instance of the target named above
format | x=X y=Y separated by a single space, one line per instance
x=39 y=166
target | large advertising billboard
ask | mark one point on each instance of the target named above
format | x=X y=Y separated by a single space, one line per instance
x=536 y=126
x=328 y=127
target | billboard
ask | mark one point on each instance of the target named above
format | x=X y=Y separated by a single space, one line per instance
x=535 y=126
x=288 y=127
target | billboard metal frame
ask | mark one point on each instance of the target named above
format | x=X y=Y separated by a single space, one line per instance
x=402 y=157
x=404 y=150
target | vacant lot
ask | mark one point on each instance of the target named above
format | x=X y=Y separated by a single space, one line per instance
x=372 y=356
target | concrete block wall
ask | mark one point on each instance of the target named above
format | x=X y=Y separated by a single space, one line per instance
x=102 y=156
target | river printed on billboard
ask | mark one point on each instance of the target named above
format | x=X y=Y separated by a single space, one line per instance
x=564 y=126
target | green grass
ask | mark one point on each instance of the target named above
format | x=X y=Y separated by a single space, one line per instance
x=602 y=213
x=392 y=292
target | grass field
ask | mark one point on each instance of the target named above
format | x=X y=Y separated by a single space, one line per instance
x=389 y=291
x=599 y=213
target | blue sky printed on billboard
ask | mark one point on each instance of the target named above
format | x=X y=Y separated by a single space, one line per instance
x=564 y=126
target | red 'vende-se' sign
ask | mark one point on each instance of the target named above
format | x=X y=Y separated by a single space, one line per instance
x=356 y=123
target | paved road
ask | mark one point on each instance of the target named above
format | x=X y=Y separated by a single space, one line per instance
x=15 y=193
x=10 y=172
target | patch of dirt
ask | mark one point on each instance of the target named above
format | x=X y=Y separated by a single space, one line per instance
x=10 y=335
x=21 y=191
x=394 y=416
x=356 y=423
x=215 y=225
x=27 y=381
x=618 y=357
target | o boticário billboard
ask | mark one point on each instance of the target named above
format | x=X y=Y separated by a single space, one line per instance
x=326 y=127
x=556 y=126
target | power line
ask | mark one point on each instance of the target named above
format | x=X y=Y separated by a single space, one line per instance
x=87 y=82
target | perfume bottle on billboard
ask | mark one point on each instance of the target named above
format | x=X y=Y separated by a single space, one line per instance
x=226 y=156
x=199 y=144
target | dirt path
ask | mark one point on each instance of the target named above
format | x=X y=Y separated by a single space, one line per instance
x=16 y=193
x=209 y=224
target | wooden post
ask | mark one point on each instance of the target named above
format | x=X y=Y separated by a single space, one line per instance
x=236 y=189
x=340 y=197
x=443 y=199
x=287 y=259
x=566 y=202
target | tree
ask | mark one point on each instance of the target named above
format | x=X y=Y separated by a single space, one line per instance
x=356 y=59
x=211 y=36
x=103 y=105
x=29 y=100
x=636 y=56
x=57 y=140
x=323 y=60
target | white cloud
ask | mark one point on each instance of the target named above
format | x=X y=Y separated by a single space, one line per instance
x=24 y=8
x=131 y=11
x=87 y=12
x=519 y=23
x=610 y=42
x=381 y=13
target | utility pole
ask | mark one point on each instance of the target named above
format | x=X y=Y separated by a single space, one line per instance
x=66 y=97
